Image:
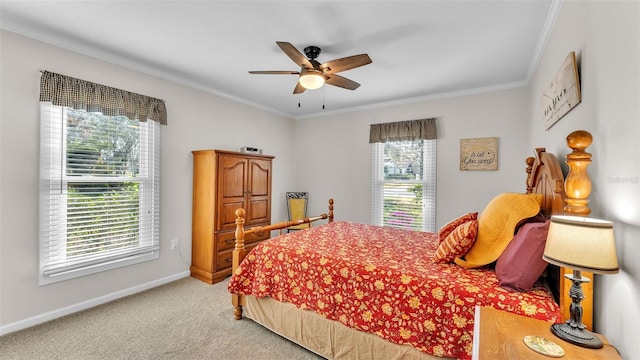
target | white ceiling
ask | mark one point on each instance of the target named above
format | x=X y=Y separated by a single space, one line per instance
x=420 y=49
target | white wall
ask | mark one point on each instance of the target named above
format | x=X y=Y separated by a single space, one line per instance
x=197 y=120
x=333 y=152
x=606 y=38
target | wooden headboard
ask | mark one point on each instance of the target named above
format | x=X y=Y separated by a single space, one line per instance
x=560 y=196
x=544 y=176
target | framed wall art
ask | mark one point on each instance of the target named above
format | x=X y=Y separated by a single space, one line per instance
x=563 y=93
x=479 y=154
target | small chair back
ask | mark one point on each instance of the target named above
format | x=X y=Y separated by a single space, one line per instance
x=297 y=208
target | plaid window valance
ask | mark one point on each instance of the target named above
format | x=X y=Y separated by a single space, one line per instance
x=62 y=90
x=424 y=129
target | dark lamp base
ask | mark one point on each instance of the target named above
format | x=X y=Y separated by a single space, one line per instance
x=576 y=336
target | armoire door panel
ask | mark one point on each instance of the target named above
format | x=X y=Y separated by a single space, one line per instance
x=260 y=178
x=259 y=211
x=232 y=175
x=227 y=214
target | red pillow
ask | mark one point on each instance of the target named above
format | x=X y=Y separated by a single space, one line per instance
x=458 y=242
x=521 y=263
x=446 y=229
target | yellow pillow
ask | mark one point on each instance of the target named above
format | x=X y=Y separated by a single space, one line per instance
x=496 y=226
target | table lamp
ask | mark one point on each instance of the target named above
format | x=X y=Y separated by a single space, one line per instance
x=581 y=244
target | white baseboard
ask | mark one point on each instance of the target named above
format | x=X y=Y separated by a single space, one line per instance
x=42 y=318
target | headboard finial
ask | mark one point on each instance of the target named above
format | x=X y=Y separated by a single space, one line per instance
x=577 y=185
x=529 y=161
x=579 y=140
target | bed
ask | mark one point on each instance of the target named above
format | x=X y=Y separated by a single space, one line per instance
x=321 y=288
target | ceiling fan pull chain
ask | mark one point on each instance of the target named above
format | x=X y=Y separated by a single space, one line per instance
x=298 y=101
x=322 y=98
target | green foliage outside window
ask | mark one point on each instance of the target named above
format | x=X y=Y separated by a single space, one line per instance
x=403 y=192
x=104 y=213
x=101 y=215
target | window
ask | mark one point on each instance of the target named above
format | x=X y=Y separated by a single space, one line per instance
x=99 y=177
x=403 y=185
x=99 y=196
x=403 y=179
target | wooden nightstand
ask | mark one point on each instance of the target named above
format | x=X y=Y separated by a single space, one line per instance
x=500 y=335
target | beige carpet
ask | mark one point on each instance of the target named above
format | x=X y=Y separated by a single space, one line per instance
x=186 y=319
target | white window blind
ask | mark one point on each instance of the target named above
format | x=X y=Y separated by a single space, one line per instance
x=403 y=187
x=99 y=192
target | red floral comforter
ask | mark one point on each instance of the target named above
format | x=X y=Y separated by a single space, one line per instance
x=383 y=281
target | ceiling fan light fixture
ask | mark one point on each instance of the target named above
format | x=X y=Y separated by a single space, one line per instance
x=311 y=79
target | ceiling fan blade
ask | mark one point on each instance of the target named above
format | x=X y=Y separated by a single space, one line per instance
x=294 y=54
x=276 y=72
x=346 y=63
x=299 y=89
x=343 y=82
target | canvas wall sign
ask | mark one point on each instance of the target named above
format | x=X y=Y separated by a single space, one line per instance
x=479 y=154
x=563 y=93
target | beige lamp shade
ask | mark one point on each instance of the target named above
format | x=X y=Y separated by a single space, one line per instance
x=581 y=243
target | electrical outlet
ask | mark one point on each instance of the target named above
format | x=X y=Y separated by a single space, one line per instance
x=174 y=244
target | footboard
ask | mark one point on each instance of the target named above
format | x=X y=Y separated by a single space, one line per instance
x=239 y=252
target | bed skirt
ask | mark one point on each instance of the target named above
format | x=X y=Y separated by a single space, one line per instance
x=327 y=338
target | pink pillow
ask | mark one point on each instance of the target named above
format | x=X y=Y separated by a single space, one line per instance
x=521 y=263
x=458 y=242
x=446 y=229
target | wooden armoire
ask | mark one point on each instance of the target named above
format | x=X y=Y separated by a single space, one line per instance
x=224 y=181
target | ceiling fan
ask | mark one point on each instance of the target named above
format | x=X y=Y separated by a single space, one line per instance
x=312 y=74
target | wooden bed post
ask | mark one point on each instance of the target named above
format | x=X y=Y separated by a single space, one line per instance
x=239 y=253
x=578 y=188
x=330 y=210
x=578 y=183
